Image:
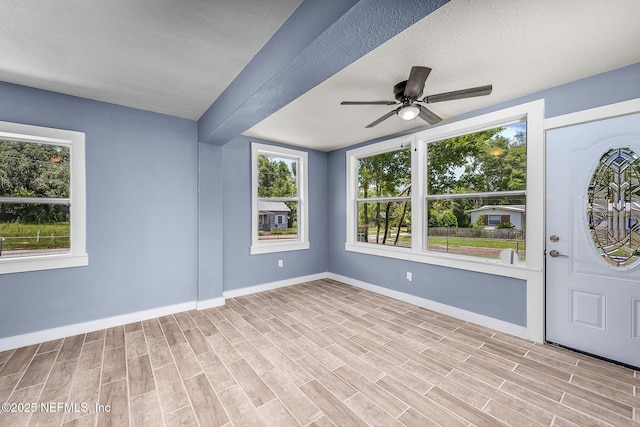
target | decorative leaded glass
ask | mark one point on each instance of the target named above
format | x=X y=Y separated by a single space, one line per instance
x=613 y=207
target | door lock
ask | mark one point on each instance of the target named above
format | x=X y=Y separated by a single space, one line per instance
x=556 y=254
x=554 y=238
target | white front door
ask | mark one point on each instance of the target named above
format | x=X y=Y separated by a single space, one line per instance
x=593 y=238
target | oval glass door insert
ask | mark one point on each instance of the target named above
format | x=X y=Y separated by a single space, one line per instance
x=613 y=207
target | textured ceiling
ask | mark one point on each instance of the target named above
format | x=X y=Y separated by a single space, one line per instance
x=519 y=46
x=172 y=57
x=178 y=57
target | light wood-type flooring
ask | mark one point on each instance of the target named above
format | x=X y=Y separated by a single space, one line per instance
x=315 y=354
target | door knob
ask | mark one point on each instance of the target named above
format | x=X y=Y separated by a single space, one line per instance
x=556 y=254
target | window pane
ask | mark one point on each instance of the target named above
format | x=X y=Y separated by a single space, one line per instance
x=385 y=223
x=482 y=227
x=277 y=221
x=277 y=177
x=33 y=229
x=385 y=175
x=28 y=169
x=492 y=160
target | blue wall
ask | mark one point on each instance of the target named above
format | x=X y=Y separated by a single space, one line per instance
x=141 y=215
x=210 y=222
x=241 y=269
x=225 y=262
x=621 y=84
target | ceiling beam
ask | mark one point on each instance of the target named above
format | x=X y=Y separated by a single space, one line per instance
x=319 y=39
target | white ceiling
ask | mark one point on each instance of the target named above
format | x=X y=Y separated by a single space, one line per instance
x=519 y=46
x=167 y=56
x=177 y=57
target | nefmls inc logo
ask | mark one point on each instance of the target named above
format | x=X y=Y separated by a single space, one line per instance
x=64 y=407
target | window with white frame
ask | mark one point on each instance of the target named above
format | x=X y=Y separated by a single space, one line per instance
x=279 y=199
x=384 y=198
x=42 y=198
x=460 y=195
x=474 y=182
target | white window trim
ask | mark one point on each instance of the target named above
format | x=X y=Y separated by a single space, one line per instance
x=533 y=112
x=75 y=141
x=259 y=247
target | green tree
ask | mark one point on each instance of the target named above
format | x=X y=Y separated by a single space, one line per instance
x=34 y=170
x=503 y=164
x=384 y=175
x=478 y=162
x=275 y=177
x=453 y=163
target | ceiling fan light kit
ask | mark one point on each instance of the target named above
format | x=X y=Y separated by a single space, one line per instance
x=407 y=93
x=409 y=112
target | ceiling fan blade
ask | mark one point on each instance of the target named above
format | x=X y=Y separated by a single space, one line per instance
x=415 y=84
x=428 y=115
x=459 y=94
x=383 y=118
x=368 y=103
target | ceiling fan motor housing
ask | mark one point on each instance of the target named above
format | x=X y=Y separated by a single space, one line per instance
x=398 y=91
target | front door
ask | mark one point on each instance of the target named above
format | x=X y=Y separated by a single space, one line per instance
x=593 y=238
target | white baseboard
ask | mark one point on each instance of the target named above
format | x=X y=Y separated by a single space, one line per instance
x=109 y=322
x=210 y=303
x=469 y=316
x=45 y=335
x=91 y=326
x=273 y=285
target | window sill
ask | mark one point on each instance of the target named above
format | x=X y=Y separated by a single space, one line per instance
x=480 y=265
x=42 y=262
x=267 y=248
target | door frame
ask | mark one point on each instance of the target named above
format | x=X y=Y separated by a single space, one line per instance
x=580 y=117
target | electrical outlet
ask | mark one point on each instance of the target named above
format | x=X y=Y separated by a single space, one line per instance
x=280 y=263
x=409 y=276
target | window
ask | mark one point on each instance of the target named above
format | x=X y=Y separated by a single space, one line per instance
x=494 y=220
x=279 y=196
x=476 y=182
x=462 y=195
x=384 y=198
x=42 y=198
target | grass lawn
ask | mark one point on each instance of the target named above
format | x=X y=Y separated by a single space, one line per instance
x=278 y=234
x=478 y=243
x=25 y=236
x=488 y=248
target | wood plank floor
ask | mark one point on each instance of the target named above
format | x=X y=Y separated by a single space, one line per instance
x=315 y=354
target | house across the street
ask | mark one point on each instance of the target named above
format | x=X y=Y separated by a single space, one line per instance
x=272 y=215
x=494 y=215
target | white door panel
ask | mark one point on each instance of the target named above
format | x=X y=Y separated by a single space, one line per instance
x=591 y=305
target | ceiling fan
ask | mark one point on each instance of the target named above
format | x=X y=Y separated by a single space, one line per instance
x=407 y=93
